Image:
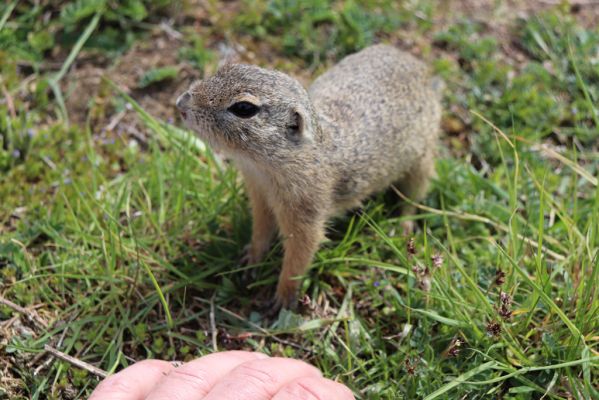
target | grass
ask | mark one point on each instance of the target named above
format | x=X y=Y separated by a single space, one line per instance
x=121 y=244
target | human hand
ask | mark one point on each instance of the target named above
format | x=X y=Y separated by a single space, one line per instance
x=231 y=375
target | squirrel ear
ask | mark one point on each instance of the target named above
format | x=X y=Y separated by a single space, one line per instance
x=296 y=128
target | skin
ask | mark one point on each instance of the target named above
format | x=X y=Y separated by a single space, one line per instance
x=232 y=375
x=369 y=122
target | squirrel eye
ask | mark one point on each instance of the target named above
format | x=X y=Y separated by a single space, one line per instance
x=244 y=109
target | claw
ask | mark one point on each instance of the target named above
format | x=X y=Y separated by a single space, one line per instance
x=271 y=308
x=286 y=294
x=247 y=259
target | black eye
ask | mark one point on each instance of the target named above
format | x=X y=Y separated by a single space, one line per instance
x=244 y=109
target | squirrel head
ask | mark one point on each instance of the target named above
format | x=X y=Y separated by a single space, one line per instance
x=244 y=108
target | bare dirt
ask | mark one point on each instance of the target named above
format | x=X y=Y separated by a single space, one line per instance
x=83 y=85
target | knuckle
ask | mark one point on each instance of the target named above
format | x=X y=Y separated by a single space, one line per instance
x=113 y=385
x=252 y=372
x=195 y=380
x=299 y=391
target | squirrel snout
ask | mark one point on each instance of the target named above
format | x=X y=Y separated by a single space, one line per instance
x=182 y=101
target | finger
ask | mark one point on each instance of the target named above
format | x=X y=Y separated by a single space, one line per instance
x=132 y=383
x=260 y=380
x=193 y=380
x=314 y=389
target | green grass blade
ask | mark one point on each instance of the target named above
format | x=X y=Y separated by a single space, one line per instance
x=554 y=307
x=7 y=13
x=78 y=46
x=461 y=379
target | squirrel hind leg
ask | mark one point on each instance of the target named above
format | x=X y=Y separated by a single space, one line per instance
x=414 y=185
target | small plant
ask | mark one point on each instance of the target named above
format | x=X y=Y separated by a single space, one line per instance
x=319 y=30
x=198 y=54
x=467 y=39
x=157 y=75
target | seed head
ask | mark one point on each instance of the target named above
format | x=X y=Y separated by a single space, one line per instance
x=505 y=302
x=499 y=277
x=454 y=347
x=411 y=247
x=411 y=366
x=437 y=260
x=493 y=329
x=423 y=276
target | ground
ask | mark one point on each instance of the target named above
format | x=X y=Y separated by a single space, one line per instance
x=120 y=238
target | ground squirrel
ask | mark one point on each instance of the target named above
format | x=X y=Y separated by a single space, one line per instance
x=370 y=121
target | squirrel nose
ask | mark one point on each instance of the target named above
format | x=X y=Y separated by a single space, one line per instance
x=183 y=100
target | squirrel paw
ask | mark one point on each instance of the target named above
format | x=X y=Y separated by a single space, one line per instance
x=248 y=257
x=281 y=300
x=286 y=295
x=247 y=260
x=271 y=308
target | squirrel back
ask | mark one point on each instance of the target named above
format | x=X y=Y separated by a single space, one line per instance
x=381 y=110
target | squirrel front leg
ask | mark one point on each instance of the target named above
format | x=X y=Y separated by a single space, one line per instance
x=263 y=226
x=301 y=232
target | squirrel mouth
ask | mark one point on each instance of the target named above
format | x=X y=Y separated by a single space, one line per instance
x=183 y=114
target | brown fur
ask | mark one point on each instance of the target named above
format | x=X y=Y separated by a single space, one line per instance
x=370 y=121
